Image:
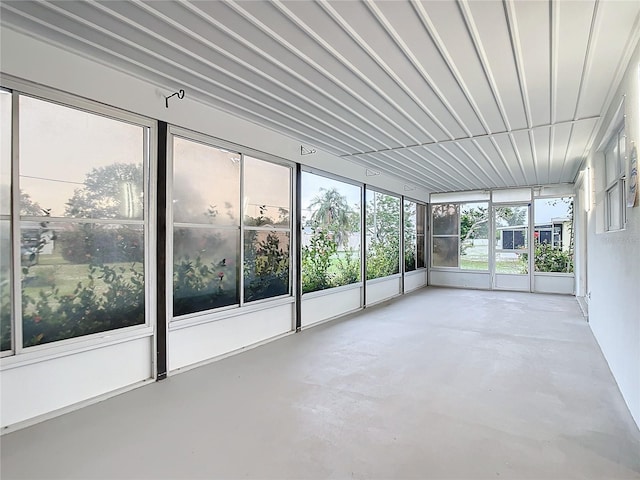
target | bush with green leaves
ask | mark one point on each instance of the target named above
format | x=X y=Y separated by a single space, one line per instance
x=316 y=261
x=199 y=286
x=112 y=297
x=266 y=266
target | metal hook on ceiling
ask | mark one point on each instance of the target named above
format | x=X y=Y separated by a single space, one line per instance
x=179 y=94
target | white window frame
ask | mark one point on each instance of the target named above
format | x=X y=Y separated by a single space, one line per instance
x=20 y=355
x=215 y=314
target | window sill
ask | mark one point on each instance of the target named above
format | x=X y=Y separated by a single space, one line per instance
x=73 y=346
x=178 y=324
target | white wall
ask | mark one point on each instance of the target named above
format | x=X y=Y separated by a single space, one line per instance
x=331 y=303
x=38 y=387
x=381 y=289
x=614 y=263
x=414 y=280
x=189 y=343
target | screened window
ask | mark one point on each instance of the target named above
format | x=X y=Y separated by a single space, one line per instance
x=81 y=197
x=383 y=234
x=331 y=233
x=414 y=220
x=474 y=236
x=446 y=235
x=553 y=234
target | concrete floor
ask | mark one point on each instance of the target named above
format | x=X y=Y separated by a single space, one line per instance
x=439 y=384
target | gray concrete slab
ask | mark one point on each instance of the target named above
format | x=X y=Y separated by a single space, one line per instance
x=441 y=383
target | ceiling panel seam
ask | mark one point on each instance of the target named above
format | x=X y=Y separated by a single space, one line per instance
x=444 y=178
x=417 y=65
x=516 y=51
x=234 y=106
x=305 y=28
x=446 y=57
x=566 y=154
x=489 y=160
x=475 y=137
x=482 y=57
x=291 y=72
x=461 y=162
x=534 y=155
x=206 y=78
x=387 y=168
x=554 y=34
x=502 y=157
x=445 y=162
x=482 y=169
x=234 y=110
x=362 y=44
x=552 y=136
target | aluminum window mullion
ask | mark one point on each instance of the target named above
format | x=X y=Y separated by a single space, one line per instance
x=240 y=274
x=16 y=288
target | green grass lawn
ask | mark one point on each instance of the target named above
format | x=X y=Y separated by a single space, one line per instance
x=52 y=271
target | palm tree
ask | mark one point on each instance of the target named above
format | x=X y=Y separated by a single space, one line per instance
x=332 y=212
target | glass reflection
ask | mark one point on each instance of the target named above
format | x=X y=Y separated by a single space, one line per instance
x=267 y=188
x=205 y=269
x=206 y=184
x=79 y=279
x=78 y=164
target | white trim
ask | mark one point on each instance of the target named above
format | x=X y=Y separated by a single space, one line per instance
x=210 y=316
x=329 y=291
x=63 y=348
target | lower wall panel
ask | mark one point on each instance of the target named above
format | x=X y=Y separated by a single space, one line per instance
x=413 y=280
x=46 y=386
x=198 y=343
x=480 y=280
x=381 y=290
x=553 y=283
x=329 y=304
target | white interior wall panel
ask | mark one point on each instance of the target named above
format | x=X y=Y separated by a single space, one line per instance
x=614 y=264
x=324 y=305
x=550 y=283
x=414 y=280
x=41 y=387
x=379 y=290
x=189 y=345
x=457 y=279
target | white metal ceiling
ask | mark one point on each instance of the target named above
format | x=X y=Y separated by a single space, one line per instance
x=445 y=95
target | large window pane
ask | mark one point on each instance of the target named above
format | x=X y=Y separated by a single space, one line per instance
x=421 y=218
x=553 y=234
x=206 y=184
x=79 y=279
x=383 y=235
x=205 y=269
x=474 y=236
x=78 y=164
x=445 y=252
x=266 y=264
x=267 y=192
x=5 y=286
x=410 y=236
x=445 y=219
x=512 y=239
x=331 y=233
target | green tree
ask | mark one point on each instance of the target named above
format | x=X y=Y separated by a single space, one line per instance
x=383 y=225
x=114 y=191
x=331 y=212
